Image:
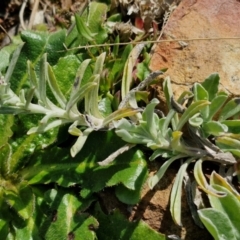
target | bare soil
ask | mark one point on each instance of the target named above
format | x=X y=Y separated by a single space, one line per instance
x=154 y=208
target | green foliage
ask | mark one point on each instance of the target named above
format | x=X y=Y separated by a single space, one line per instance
x=65 y=218
x=119 y=228
x=46 y=90
x=65 y=111
x=90 y=27
x=199 y=113
x=36 y=45
x=75 y=129
x=6 y=132
x=6 y=52
x=20 y=189
x=222 y=220
x=128 y=169
x=148 y=132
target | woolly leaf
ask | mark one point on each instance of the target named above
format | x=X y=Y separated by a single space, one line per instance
x=211 y=85
x=217 y=223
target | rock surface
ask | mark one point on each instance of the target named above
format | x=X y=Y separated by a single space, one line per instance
x=206 y=23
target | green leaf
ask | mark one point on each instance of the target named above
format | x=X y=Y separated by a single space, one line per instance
x=83 y=29
x=96 y=19
x=147 y=132
x=104 y=106
x=36 y=44
x=216 y=105
x=120 y=228
x=230 y=109
x=119 y=114
x=202 y=182
x=42 y=81
x=118 y=65
x=161 y=152
x=78 y=89
x=12 y=64
x=168 y=93
x=117 y=17
x=4 y=228
x=227 y=142
x=78 y=145
x=80 y=94
x=91 y=98
x=5 y=56
x=172 y=116
x=55 y=88
x=217 y=223
x=128 y=69
x=177 y=144
x=98 y=68
x=211 y=85
x=231 y=123
x=219 y=180
x=130 y=196
x=24 y=145
x=229 y=205
x=56 y=165
x=116 y=47
x=11 y=110
x=65 y=73
x=79 y=76
x=176 y=193
x=130 y=132
x=190 y=111
x=32 y=77
x=195 y=120
x=6 y=122
x=200 y=93
x=151 y=118
x=152 y=181
x=20 y=197
x=222 y=221
x=65 y=219
x=27 y=231
x=129 y=172
x=214 y=128
x=39 y=171
x=5 y=156
x=142 y=68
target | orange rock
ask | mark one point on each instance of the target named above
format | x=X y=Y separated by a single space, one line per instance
x=190 y=61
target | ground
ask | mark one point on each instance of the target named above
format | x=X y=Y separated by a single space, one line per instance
x=153 y=208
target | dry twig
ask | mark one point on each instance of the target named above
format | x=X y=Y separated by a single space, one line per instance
x=33 y=14
x=21 y=14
